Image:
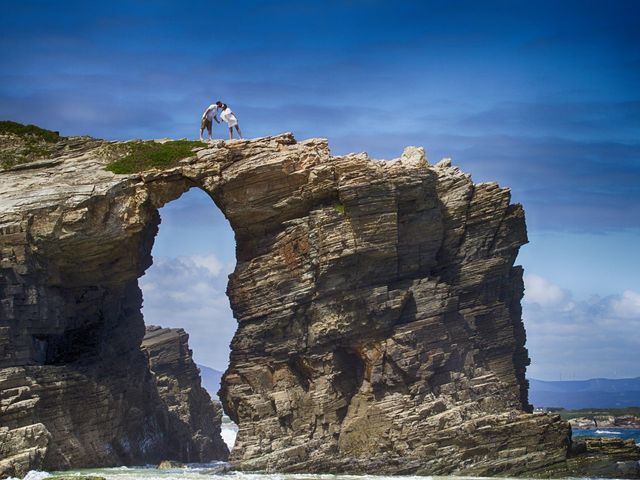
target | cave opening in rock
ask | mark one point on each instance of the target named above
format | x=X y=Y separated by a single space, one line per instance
x=185 y=287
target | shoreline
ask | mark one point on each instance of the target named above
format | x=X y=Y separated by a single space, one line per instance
x=598 y=427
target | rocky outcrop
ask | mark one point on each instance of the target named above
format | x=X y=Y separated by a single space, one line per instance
x=195 y=418
x=599 y=458
x=378 y=309
x=605 y=421
x=582 y=423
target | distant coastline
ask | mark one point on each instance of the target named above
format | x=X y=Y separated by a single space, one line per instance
x=596 y=393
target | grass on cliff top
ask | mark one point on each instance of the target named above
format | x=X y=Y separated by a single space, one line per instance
x=140 y=156
x=21 y=144
x=14 y=128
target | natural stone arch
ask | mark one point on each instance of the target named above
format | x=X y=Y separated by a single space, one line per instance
x=185 y=287
x=377 y=302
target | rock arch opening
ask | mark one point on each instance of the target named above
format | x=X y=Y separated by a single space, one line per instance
x=185 y=290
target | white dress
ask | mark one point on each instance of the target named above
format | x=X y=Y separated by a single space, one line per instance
x=228 y=116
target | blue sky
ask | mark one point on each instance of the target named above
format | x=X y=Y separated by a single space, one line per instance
x=540 y=96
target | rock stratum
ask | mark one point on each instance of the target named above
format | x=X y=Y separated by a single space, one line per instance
x=378 y=309
x=195 y=418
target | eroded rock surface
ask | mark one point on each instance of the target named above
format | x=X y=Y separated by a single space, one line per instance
x=195 y=418
x=378 y=309
x=599 y=458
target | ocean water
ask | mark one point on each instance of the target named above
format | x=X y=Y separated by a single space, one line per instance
x=203 y=472
x=609 y=432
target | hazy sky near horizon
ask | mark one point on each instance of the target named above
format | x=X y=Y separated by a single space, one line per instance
x=540 y=96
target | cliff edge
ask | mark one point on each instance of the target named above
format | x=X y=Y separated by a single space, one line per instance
x=378 y=309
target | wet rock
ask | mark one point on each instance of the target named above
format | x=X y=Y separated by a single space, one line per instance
x=22 y=447
x=599 y=457
x=169 y=464
x=616 y=447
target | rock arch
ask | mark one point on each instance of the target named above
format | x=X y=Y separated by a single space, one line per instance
x=378 y=309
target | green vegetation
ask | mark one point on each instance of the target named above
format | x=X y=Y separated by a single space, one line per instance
x=339 y=207
x=599 y=412
x=14 y=128
x=140 y=156
x=21 y=144
x=27 y=153
x=25 y=143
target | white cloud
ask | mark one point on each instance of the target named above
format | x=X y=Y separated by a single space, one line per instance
x=546 y=294
x=568 y=339
x=210 y=262
x=189 y=293
x=628 y=306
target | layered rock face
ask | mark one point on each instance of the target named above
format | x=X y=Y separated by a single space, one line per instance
x=599 y=458
x=195 y=418
x=378 y=309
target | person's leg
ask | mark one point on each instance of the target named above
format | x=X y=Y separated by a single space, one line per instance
x=210 y=128
x=230 y=133
x=205 y=123
x=238 y=129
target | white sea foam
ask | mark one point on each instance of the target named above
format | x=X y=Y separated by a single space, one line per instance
x=204 y=471
x=36 y=475
x=229 y=432
x=608 y=432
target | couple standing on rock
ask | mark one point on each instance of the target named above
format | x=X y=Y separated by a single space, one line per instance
x=211 y=114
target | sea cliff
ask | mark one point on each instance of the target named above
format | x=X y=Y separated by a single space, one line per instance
x=378 y=309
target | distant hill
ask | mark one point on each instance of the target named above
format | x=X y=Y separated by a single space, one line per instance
x=594 y=393
x=210 y=380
